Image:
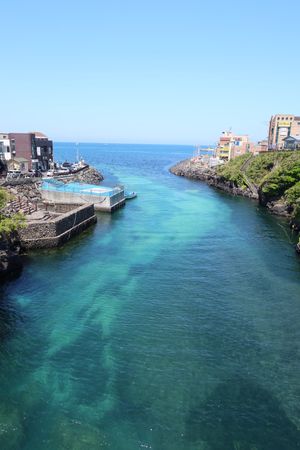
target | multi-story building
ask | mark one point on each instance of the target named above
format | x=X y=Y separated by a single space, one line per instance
x=281 y=126
x=43 y=152
x=34 y=147
x=5 y=147
x=231 y=145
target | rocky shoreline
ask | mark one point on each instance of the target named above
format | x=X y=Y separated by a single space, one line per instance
x=196 y=171
x=10 y=259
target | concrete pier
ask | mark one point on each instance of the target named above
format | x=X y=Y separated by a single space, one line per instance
x=103 y=198
x=55 y=229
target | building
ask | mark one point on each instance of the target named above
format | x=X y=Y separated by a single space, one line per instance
x=34 y=147
x=261 y=146
x=231 y=145
x=292 y=143
x=43 y=152
x=281 y=126
x=5 y=147
x=20 y=164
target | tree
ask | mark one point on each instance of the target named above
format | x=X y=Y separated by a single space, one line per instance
x=9 y=223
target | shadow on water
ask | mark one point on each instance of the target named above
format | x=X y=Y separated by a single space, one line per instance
x=241 y=415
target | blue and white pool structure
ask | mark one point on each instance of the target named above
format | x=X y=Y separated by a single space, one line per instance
x=103 y=198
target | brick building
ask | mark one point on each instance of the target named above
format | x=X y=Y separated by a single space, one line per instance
x=34 y=147
x=281 y=126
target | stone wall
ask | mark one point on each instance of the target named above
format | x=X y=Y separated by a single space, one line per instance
x=60 y=207
x=24 y=195
x=56 y=231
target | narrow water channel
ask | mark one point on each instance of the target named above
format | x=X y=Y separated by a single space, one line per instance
x=171 y=325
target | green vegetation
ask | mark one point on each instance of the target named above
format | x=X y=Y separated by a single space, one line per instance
x=292 y=197
x=9 y=223
x=232 y=171
x=276 y=175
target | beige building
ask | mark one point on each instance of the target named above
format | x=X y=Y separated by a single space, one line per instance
x=232 y=145
x=281 y=126
x=261 y=146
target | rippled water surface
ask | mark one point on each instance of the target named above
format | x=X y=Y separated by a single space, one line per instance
x=172 y=324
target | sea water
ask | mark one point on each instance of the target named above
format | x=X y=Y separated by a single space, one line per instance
x=172 y=324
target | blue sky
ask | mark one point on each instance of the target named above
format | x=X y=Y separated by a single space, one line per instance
x=148 y=71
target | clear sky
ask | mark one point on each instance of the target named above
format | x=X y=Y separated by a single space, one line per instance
x=148 y=71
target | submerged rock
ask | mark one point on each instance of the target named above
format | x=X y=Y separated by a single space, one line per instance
x=70 y=434
x=11 y=429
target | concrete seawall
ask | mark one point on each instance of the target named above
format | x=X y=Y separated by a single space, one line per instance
x=58 y=230
x=101 y=203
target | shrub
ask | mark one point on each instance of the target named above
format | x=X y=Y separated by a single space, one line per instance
x=11 y=223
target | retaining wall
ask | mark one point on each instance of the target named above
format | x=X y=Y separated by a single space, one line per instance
x=56 y=231
x=100 y=203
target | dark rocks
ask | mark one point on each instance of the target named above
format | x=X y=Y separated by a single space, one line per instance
x=10 y=259
x=280 y=208
x=197 y=171
x=22 y=196
x=90 y=175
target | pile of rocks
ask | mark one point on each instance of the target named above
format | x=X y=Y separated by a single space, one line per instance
x=88 y=175
x=24 y=196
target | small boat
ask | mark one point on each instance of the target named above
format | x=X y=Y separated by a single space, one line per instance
x=129 y=195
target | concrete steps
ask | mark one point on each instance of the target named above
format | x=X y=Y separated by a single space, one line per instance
x=24 y=206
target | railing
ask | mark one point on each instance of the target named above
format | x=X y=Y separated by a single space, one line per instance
x=59 y=186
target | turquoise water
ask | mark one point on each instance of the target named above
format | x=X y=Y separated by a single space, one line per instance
x=172 y=324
